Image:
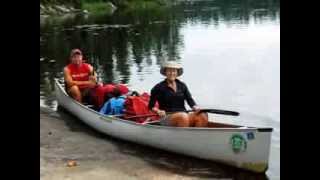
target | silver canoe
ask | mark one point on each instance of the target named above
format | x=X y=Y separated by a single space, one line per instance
x=243 y=147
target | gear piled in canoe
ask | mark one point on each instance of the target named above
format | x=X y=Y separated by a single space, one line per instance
x=102 y=94
x=136 y=105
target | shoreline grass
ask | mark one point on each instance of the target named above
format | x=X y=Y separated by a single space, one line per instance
x=98 y=7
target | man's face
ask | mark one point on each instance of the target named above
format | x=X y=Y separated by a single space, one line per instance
x=76 y=59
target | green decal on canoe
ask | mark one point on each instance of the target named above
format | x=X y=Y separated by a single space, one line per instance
x=238 y=143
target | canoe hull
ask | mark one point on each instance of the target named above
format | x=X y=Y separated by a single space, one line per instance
x=246 y=148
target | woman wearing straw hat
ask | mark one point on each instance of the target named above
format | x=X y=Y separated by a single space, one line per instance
x=171 y=95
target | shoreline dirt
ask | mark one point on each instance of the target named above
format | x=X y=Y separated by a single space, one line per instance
x=96 y=157
x=100 y=157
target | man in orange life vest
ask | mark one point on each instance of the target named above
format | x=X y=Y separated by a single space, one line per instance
x=79 y=76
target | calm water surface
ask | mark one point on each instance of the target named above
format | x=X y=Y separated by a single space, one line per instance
x=230 y=51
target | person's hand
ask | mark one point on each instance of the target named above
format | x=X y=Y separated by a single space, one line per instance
x=161 y=113
x=196 y=109
x=92 y=83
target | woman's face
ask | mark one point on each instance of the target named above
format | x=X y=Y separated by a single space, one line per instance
x=171 y=73
x=76 y=59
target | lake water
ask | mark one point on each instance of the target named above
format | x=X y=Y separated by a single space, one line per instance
x=230 y=51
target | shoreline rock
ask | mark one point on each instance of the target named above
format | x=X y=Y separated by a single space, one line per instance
x=55 y=9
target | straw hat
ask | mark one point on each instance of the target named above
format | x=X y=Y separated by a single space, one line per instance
x=171 y=64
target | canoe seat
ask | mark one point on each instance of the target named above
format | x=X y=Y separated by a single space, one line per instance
x=154 y=123
x=88 y=105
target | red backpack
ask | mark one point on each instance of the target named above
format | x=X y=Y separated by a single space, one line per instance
x=138 y=105
x=101 y=93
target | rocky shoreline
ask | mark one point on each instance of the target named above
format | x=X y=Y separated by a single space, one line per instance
x=47 y=10
x=56 y=9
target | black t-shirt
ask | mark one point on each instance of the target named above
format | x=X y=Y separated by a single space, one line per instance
x=168 y=99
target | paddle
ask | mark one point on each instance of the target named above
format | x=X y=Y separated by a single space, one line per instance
x=217 y=111
x=92 y=74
